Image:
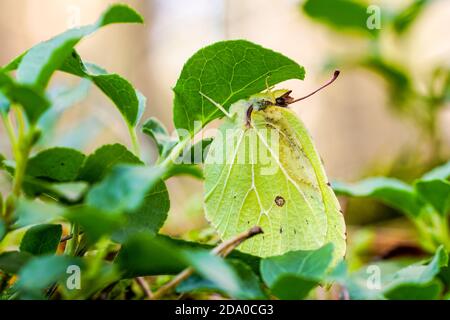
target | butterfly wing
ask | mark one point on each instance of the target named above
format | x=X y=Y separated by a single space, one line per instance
x=269 y=174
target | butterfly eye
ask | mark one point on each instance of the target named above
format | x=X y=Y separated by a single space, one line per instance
x=281 y=102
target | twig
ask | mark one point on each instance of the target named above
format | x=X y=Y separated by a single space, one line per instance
x=144 y=286
x=66 y=238
x=222 y=250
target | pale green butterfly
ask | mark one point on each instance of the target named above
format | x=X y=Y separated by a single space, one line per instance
x=263 y=169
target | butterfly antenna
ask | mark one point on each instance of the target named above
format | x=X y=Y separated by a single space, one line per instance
x=217 y=105
x=335 y=76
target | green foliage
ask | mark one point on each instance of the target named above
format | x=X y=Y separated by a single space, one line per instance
x=102 y=214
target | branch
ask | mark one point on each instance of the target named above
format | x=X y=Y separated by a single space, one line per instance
x=144 y=286
x=221 y=250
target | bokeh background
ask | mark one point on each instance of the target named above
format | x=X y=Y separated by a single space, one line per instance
x=370 y=122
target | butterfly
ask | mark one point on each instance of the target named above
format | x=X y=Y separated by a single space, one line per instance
x=263 y=169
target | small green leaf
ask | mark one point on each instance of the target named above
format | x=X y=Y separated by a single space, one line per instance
x=149 y=217
x=429 y=291
x=144 y=255
x=125 y=188
x=39 y=63
x=130 y=102
x=30 y=212
x=11 y=262
x=159 y=134
x=292 y=287
x=69 y=192
x=393 y=192
x=98 y=164
x=404 y=19
x=41 y=272
x=120 y=13
x=57 y=164
x=226 y=72
x=33 y=102
x=436 y=192
x=294 y=274
x=347 y=15
x=407 y=280
x=42 y=239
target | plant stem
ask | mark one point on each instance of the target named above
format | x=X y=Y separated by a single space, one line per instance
x=145 y=287
x=175 y=153
x=222 y=250
x=72 y=243
x=134 y=141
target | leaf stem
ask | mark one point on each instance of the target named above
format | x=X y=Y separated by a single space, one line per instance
x=221 y=250
x=134 y=141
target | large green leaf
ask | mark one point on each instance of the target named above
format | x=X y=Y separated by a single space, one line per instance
x=342 y=15
x=226 y=72
x=56 y=164
x=269 y=173
x=100 y=163
x=294 y=274
x=125 y=188
x=393 y=192
x=42 y=239
x=38 y=64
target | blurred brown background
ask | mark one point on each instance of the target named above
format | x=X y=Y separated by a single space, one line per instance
x=350 y=122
